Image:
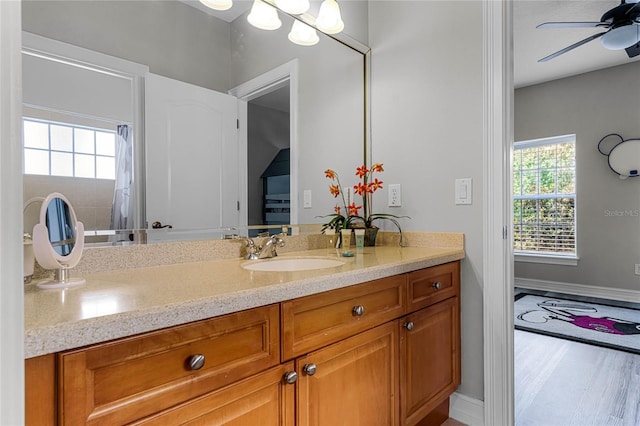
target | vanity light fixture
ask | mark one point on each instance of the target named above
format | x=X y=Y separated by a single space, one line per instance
x=264 y=16
x=294 y=7
x=303 y=34
x=218 y=4
x=329 y=19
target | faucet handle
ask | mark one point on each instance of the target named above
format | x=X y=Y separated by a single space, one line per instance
x=252 y=249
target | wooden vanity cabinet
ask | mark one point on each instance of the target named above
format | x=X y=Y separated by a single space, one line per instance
x=385 y=352
x=430 y=356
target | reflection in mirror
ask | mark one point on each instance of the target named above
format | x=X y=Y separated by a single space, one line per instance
x=60 y=225
x=54 y=241
x=184 y=44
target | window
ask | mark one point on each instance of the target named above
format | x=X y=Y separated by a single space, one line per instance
x=544 y=197
x=60 y=149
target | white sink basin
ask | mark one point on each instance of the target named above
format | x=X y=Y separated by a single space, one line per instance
x=292 y=264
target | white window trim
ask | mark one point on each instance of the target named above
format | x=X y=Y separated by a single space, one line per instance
x=550 y=258
x=547 y=258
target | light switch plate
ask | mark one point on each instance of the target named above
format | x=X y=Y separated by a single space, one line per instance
x=463 y=191
x=307 y=199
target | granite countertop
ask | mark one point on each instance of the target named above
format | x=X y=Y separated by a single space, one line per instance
x=126 y=302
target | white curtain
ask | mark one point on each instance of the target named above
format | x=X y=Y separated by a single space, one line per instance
x=121 y=212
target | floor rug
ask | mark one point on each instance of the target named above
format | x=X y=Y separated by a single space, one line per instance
x=593 y=323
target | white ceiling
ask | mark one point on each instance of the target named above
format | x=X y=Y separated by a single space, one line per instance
x=531 y=44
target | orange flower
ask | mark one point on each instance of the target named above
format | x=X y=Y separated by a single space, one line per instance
x=375 y=185
x=377 y=168
x=330 y=174
x=361 y=171
x=335 y=190
x=353 y=209
x=360 y=188
x=337 y=209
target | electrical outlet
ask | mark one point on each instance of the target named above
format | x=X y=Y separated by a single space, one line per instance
x=637 y=268
x=395 y=195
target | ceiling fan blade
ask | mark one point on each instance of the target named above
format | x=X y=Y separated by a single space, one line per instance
x=633 y=51
x=573 y=46
x=573 y=25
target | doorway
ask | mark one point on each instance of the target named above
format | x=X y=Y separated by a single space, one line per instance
x=269 y=98
x=269 y=158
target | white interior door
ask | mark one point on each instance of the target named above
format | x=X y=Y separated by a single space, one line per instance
x=191 y=156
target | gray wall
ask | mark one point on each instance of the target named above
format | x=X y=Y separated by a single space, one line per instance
x=330 y=105
x=591 y=105
x=173 y=39
x=427 y=130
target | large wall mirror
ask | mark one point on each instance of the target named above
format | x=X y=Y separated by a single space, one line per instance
x=79 y=118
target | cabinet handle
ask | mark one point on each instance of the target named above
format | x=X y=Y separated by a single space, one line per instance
x=309 y=369
x=195 y=362
x=437 y=285
x=358 y=311
x=408 y=325
x=290 y=377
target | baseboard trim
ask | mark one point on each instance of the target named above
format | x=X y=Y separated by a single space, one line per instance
x=580 y=289
x=467 y=410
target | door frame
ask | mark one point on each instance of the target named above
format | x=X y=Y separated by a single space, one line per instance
x=254 y=88
x=497 y=213
x=497 y=275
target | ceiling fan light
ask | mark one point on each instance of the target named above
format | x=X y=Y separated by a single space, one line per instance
x=264 y=16
x=294 y=7
x=329 y=20
x=621 y=37
x=218 y=4
x=303 y=34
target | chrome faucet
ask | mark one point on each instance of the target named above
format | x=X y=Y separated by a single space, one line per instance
x=268 y=249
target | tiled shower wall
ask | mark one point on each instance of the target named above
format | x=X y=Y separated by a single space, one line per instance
x=91 y=198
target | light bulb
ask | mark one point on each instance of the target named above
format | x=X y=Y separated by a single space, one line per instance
x=329 y=20
x=217 y=4
x=294 y=7
x=621 y=37
x=303 y=34
x=264 y=16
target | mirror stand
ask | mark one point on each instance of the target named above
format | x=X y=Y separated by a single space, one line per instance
x=61 y=279
x=58 y=241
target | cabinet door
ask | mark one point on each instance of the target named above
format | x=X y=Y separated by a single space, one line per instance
x=264 y=399
x=355 y=381
x=429 y=359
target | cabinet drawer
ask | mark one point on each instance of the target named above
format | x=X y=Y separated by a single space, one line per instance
x=314 y=321
x=263 y=399
x=125 y=380
x=428 y=286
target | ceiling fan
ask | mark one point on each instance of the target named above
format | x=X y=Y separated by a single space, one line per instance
x=622 y=24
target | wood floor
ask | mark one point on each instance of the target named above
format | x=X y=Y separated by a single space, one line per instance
x=564 y=383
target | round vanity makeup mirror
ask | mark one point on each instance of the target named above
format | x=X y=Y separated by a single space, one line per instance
x=58 y=240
